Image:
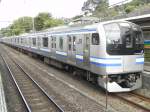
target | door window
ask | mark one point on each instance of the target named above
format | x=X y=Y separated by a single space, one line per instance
x=45 y=41
x=74 y=39
x=61 y=42
x=34 y=41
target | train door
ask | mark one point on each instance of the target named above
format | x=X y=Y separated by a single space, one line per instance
x=86 y=50
x=39 y=42
x=53 y=46
x=49 y=43
x=71 y=49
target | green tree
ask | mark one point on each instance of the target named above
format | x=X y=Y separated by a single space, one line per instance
x=129 y=8
x=25 y=24
x=21 y=25
x=45 y=20
x=77 y=16
x=102 y=9
x=135 y=4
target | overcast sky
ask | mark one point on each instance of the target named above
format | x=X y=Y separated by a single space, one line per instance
x=12 y=9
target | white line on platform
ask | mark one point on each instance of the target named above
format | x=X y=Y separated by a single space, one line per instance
x=146 y=72
x=3 y=106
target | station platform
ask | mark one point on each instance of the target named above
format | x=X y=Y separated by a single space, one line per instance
x=3 y=106
x=146 y=76
x=147 y=66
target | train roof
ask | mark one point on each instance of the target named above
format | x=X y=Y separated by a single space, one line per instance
x=68 y=29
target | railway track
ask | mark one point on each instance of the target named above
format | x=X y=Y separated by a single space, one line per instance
x=146 y=72
x=135 y=100
x=34 y=97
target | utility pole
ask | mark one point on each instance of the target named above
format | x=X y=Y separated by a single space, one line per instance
x=33 y=22
x=33 y=25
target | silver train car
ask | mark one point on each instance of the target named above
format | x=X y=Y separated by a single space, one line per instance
x=110 y=53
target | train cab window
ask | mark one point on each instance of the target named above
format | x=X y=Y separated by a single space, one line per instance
x=95 y=39
x=45 y=41
x=113 y=33
x=138 y=38
x=34 y=41
x=61 y=42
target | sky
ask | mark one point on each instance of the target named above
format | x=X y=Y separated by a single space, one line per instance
x=13 y=9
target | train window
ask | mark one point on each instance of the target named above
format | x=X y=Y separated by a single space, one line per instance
x=74 y=38
x=54 y=38
x=69 y=47
x=55 y=45
x=61 y=42
x=45 y=41
x=69 y=38
x=52 y=45
x=95 y=39
x=80 y=41
x=34 y=41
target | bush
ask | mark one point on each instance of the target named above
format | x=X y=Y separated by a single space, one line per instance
x=129 y=8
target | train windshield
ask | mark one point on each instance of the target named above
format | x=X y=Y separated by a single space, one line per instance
x=123 y=39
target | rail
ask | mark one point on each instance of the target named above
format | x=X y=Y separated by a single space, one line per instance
x=135 y=100
x=23 y=97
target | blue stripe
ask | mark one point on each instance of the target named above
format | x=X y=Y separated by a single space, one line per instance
x=81 y=60
x=84 y=30
x=101 y=58
x=104 y=65
x=80 y=54
x=76 y=31
x=105 y=58
x=139 y=57
x=139 y=62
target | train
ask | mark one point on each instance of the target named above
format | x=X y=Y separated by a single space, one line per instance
x=109 y=53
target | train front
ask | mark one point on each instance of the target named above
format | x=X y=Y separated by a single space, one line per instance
x=125 y=49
